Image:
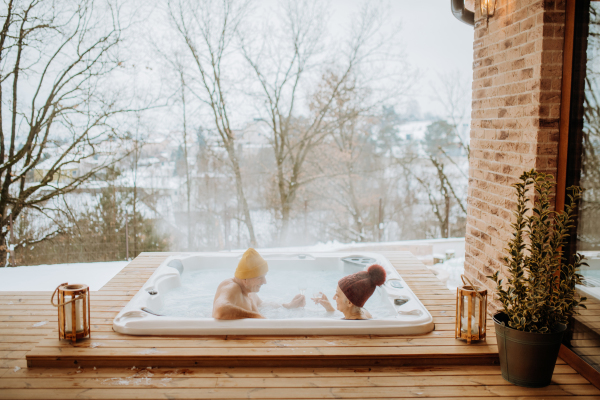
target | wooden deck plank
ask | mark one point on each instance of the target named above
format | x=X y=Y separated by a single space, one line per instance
x=286 y=342
x=149 y=380
x=282 y=351
x=261 y=372
x=303 y=393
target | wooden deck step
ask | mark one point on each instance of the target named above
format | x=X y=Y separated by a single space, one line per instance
x=377 y=353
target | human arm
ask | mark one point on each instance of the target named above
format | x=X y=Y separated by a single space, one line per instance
x=324 y=301
x=231 y=311
x=298 y=301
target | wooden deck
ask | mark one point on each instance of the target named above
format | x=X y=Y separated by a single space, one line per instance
x=315 y=367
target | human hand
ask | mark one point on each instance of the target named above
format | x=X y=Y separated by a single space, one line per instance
x=319 y=297
x=324 y=301
x=298 y=301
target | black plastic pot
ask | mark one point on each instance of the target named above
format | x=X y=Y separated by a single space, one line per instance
x=527 y=359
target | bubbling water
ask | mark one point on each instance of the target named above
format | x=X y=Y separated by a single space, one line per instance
x=194 y=298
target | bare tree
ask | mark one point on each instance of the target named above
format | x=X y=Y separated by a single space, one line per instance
x=176 y=65
x=424 y=163
x=138 y=145
x=207 y=29
x=437 y=164
x=453 y=91
x=354 y=167
x=440 y=207
x=283 y=62
x=53 y=61
x=188 y=181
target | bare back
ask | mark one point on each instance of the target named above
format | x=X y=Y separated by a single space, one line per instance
x=232 y=302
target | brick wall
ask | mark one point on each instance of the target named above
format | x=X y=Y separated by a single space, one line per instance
x=517 y=69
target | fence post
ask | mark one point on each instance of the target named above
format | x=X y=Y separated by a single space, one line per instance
x=447 y=215
x=226 y=230
x=306 y=221
x=380 y=225
x=126 y=237
x=11 y=249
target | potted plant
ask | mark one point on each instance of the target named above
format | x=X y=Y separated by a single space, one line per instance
x=539 y=296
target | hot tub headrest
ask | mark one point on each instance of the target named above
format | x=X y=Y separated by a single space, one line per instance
x=177 y=264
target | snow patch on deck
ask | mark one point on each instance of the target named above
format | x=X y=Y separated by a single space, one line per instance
x=41 y=278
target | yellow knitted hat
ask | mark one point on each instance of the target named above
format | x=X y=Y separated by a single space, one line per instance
x=252 y=265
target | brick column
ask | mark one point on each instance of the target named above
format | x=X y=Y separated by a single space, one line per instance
x=517 y=72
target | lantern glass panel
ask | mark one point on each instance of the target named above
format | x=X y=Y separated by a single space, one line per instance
x=78 y=304
x=488 y=7
x=474 y=317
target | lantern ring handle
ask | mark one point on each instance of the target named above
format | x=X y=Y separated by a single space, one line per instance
x=65 y=303
x=471 y=284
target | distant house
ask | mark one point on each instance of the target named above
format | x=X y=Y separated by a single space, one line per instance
x=66 y=173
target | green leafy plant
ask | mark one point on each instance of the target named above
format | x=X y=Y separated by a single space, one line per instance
x=540 y=291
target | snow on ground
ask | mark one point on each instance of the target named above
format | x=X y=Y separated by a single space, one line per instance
x=455 y=268
x=96 y=275
x=439 y=246
x=318 y=248
x=40 y=278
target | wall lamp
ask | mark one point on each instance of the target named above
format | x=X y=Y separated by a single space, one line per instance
x=464 y=10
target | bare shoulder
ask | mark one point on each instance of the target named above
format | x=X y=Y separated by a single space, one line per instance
x=229 y=287
x=228 y=282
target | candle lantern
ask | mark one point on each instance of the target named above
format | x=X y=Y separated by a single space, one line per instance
x=471 y=306
x=73 y=311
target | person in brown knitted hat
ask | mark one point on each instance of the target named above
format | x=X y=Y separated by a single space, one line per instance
x=353 y=291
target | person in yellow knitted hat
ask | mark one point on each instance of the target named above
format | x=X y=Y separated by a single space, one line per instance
x=236 y=297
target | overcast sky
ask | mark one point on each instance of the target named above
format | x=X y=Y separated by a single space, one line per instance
x=434 y=41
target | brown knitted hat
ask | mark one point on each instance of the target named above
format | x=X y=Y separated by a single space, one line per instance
x=360 y=286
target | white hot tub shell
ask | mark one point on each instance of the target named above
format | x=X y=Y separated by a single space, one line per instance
x=137 y=317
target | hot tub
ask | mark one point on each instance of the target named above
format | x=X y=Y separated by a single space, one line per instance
x=177 y=298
